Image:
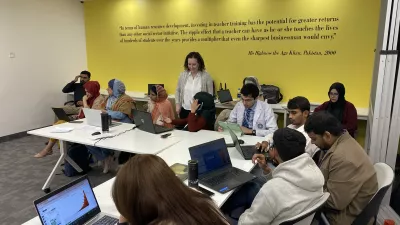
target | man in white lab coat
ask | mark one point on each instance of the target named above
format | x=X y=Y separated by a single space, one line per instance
x=299 y=110
x=254 y=116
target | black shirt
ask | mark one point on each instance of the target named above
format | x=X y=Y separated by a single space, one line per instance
x=78 y=90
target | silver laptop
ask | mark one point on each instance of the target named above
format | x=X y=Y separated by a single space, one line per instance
x=93 y=118
x=74 y=203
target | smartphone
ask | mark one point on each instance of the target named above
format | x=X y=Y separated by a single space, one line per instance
x=165 y=135
x=205 y=191
x=75 y=121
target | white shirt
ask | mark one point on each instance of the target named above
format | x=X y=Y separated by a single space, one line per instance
x=192 y=87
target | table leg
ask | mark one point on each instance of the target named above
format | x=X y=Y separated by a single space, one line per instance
x=46 y=186
x=284 y=118
x=72 y=163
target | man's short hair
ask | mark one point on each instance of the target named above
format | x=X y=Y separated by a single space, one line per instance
x=299 y=102
x=86 y=73
x=323 y=121
x=250 y=90
x=289 y=143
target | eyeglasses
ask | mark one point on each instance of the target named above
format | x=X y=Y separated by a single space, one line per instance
x=333 y=94
x=247 y=99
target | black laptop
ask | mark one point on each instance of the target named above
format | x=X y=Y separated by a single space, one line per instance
x=247 y=151
x=144 y=122
x=215 y=167
x=74 y=203
x=61 y=115
x=224 y=96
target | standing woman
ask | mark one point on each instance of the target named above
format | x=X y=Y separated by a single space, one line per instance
x=191 y=81
x=147 y=191
x=343 y=110
x=159 y=106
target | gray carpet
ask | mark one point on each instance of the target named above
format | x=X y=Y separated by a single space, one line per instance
x=22 y=177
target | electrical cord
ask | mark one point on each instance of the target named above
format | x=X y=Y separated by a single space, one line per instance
x=123 y=132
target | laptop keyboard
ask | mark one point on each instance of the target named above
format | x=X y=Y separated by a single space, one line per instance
x=159 y=128
x=106 y=220
x=214 y=181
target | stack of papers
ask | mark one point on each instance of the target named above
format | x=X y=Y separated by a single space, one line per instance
x=62 y=129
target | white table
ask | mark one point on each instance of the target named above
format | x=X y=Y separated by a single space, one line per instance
x=132 y=141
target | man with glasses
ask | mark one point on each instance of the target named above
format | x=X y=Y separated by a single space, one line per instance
x=254 y=116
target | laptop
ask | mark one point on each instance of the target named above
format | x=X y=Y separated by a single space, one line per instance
x=224 y=96
x=247 y=151
x=144 y=122
x=151 y=85
x=215 y=167
x=74 y=203
x=93 y=118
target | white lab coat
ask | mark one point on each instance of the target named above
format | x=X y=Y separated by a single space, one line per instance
x=311 y=149
x=264 y=121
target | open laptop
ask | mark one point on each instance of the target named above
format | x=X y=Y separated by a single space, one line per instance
x=215 y=167
x=74 y=203
x=247 y=151
x=61 y=115
x=224 y=96
x=93 y=118
x=144 y=122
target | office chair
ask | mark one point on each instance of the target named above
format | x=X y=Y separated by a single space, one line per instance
x=306 y=217
x=385 y=176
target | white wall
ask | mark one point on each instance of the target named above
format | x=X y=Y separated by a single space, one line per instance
x=48 y=39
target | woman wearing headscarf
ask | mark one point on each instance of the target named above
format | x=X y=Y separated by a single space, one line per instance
x=159 y=106
x=201 y=116
x=93 y=99
x=119 y=106
x=254 y=80
x=343 y=110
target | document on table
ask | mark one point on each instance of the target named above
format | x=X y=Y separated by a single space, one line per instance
x=62 y=129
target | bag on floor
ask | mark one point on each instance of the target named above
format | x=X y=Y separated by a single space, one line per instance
x=80 y=155
x=271 y=94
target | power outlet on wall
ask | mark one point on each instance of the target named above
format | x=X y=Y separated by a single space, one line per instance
x=11 y=55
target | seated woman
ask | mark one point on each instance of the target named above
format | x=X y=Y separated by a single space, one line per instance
x=93 y=99
x=201 y=116
x=159 y=106
x=119 y=106
x=146 y=191
x=343 y=110
x=254 y=80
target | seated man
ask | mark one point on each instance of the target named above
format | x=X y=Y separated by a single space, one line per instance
x=79 y=92
x=254 y=116
x=350 y=177
x=296 y=184
x=299 y=110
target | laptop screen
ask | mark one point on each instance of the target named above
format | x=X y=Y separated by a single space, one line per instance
x=224 y=96
x=211 y=156
x=73 y=205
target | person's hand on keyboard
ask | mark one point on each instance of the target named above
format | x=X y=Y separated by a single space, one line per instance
x=262 y=147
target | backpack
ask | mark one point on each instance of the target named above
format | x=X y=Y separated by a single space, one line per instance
x=80 y=155
x=271 y=93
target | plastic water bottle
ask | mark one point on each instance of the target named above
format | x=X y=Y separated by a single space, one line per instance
x=238 y=93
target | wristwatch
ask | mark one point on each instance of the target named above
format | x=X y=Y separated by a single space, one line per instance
x=253 y=132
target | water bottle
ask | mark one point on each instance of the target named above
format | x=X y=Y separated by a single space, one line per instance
x=238 y=93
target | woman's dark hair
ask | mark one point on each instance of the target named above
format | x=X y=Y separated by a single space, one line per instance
x=289 y=143
x=147 y=191
x=322 y=121
x=339 y=87
x=200 y=61
x=299 y=102
x=250 y=90
x=208 y=110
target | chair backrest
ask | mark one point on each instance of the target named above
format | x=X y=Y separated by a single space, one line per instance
x=223 y=116
x=385 y=176
x=306 y=217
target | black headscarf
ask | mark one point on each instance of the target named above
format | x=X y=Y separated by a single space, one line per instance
x=207 y=111
x=337 y=108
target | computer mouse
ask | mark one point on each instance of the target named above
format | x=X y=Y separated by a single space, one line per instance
x=96 y=133
x=241 y=141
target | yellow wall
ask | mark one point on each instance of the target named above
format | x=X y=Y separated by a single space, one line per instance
x=140 y=63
